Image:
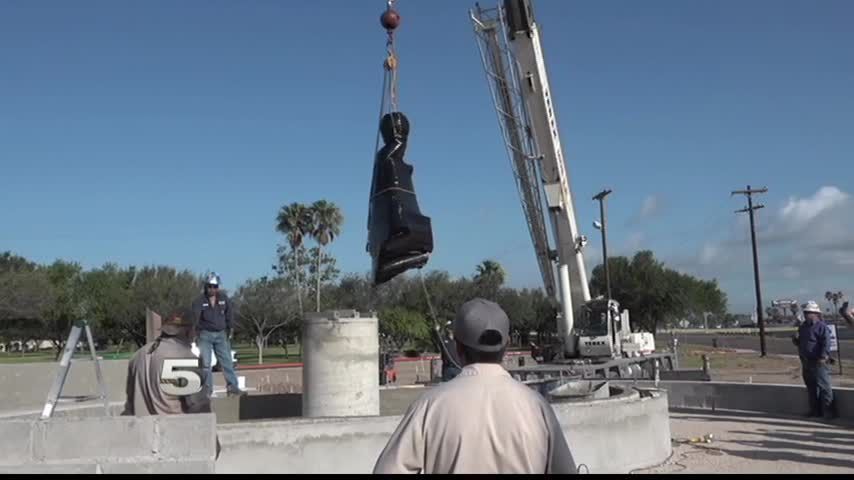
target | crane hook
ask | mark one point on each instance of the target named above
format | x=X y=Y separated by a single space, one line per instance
x=390 y=19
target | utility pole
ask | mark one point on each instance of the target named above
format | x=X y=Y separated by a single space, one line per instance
x=749 y=210
x=603 y=227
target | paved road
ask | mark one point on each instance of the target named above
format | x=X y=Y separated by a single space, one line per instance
x=777 y=343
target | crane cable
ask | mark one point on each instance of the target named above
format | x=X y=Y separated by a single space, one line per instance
x=443 y=350
x=390 y=20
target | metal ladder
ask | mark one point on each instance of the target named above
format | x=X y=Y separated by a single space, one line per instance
x=55 y=394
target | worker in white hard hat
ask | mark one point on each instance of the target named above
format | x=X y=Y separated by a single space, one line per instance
x=813 y=341
x=483 y=421
x=213 y=318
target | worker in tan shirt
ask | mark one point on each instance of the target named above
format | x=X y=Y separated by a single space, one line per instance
x=483 y=421
x=160 y=380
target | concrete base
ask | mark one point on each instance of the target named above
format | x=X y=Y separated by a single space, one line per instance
x=607 y=436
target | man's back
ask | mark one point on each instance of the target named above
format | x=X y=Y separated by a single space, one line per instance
x=145 y=395
x=483 y=421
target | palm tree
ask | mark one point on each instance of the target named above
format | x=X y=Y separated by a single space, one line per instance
x=295 y=222
x=837 y=297
x=490 y=277
x=326 y=226
x=834 y=298
x=492 y=270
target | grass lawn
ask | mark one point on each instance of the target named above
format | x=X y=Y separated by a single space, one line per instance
x=247 y=354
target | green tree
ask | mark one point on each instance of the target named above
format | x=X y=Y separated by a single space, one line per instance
x=521 y=309
x=295 y=221
x=400 y=327
x=10 y=262
x=355 y=292
x=106 y=293
x=162 y=289
x=656 y=295
x=489 y=278
x=265 y=306
x=834 y=298
x=325 y=228
x=25 y=298
x=302 y=263
x=67 y=307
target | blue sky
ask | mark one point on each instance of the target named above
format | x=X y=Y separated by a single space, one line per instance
x=171 y=132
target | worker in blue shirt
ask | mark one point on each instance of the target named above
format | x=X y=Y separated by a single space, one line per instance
x=813 y=341
x=213 y=320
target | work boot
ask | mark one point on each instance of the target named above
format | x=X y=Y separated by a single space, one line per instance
x=237 y=393
x=830 y=412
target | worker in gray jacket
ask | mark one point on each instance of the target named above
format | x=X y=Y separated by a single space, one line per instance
x=155 y=372
x=483 y=421
x=213 y=317
x=164 y=376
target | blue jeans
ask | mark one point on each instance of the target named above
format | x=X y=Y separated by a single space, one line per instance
x=218 y=343
x=819 y=390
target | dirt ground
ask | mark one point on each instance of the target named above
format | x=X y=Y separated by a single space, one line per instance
x=750 y=443
x=729 y=365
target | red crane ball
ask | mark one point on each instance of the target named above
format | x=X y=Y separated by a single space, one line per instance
x=390 y=20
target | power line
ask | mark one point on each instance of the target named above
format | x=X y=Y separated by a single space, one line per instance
x=749 y=210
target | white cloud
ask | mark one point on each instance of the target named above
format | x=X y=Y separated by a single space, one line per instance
x=798 y=212
x=789 y=272
x=651 y=205
x=709 y=253
x=635 y=241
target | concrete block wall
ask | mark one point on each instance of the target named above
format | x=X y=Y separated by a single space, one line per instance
x=163 y=444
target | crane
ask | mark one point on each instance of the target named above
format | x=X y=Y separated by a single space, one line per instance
x=510 y=47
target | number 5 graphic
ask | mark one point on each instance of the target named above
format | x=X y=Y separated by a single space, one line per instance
x=170 y=379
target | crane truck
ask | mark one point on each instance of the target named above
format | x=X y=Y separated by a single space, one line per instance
x=595 y=338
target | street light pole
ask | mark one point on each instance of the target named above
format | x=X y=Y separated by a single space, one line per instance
x=603 y=226
x=750 y=210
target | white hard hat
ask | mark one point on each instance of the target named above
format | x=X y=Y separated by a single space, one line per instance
x=212 y=279
x=811 y=307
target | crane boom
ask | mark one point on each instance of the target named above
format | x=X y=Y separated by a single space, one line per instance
x=511 y=51
x=503 y=79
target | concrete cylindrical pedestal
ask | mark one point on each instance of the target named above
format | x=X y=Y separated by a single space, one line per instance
x=340 y=365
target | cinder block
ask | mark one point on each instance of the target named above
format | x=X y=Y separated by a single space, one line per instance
x=157 y=468
x=95 y=438
x=50 y=469
x=186 y=437
x=15 y=441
